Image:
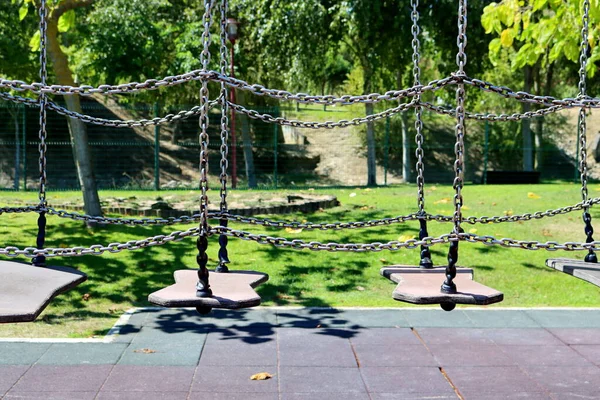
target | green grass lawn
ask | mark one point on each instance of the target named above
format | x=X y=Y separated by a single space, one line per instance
x=304 y=278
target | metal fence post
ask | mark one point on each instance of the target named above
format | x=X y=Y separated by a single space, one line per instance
x=486 y=149
x=24 y=147
x=275 y=144
x=156 y=151
x=386 y=154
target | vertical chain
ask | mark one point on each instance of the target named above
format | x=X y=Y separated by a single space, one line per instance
x=459 y=147
x=224 y=64
x=42 y=147
x=40 y=260
x=416 y=46
x=582 y=128
x=203 y=287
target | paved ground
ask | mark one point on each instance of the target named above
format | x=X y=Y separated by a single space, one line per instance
x=319 y=354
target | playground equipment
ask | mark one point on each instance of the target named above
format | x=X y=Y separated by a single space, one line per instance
x=229 y=289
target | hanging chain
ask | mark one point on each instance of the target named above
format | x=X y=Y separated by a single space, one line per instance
x=203 y=287
x=582 y=130
x=223 y=254
x=42 y=147
x=459 y=148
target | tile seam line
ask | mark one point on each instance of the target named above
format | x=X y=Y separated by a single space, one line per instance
x=26 y=371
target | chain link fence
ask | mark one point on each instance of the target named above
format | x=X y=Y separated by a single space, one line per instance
x=264 y=155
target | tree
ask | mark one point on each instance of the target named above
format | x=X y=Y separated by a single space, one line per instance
x=61 y=17
x=539 y=34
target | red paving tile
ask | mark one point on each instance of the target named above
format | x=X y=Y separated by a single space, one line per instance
x=136 y=378
x=394 y=356
x=422 y=380
x=573 y=379
x=52 y=378
x=475 y=355
x=474 y=381
x=544 y=355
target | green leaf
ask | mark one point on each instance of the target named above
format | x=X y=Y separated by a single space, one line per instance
x=537 y=4
x=66 y=21
x=595 y=10
x=34 y=42
x=495 y=45
x=522 y=56
x=23 y=12
x=556 y=51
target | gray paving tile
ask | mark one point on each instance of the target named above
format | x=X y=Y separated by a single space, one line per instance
x=544 y=355
x=566 y=318
x=243 y=335
x=470 y=355
x=455 y=336
x=82 y=353
x=249 y=317
x=413 y=396
x=311 y=318
x=50 y=396
x=334 y=354
x=142 y=395
x=14 y=353
x=328 y=396
x=53 y=378
x=233 y=396
x=575 y=379
x=437 y=319
x=188 y=335
x=525 y=337
x=375 y=318
x=135 y=378
x=501 y=319
x=385 y=336
x=162 y=353
x=320 y=380
x=425 y=381
x=577 y=335
x=475 y=381
x=230 y=379
x=313 y=337
x=9 y=375
x=409 y=355
x=508 y=396
x=590 y=352
x=239 y=353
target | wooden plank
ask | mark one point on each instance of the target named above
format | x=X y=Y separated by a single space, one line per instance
x=589 y=272
x=232 y=290
x=26 y=290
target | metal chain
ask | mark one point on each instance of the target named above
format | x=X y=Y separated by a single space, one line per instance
x=184 y=114
x=418 y=109
x=224 y=64
x=42 y=147
x=259 y=90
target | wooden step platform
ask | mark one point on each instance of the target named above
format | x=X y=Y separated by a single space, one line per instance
x=234 y=289
x=589 y=272
x=422 y=286
x=25 y=290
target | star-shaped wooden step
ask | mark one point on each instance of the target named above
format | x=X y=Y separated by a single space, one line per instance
x=25 y=290
x=233 y=289
x=589 y=272
x=422 y=286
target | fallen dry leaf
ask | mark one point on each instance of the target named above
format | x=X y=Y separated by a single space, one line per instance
x=383 y=260
x=145 y=351
x=352 y=194
x=364 y=208
x=292 y=230
x=86 y=297
x=360 y=288
x=532 y=195
x=445 y=200
x=404 y=238
x=508 y=213
x=261 y=376
x=473 y=230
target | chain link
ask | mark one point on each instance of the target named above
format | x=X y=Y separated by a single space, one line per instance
x=42 y=146
x=420 y=166
x=224 y=106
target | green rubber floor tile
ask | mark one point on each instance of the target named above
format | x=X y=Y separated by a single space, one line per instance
x=190 y=334
x=566 y=318
x=437 y=319
x=162 y=354
x=501 y=319
x=82 y=353
x=375 y=318
x=311 y=318
x=14 y=353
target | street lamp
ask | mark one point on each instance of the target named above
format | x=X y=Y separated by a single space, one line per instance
x=232 y=35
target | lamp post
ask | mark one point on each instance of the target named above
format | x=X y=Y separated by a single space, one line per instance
x=232 y=35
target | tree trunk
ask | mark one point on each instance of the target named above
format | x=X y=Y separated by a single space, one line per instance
x=77 y=129
x=526 y=126
x=371 y=161
x=405 y=148
x=247 y=144
x=539 y=132
x=14 y=113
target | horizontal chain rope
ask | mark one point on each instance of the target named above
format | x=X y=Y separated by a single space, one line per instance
x=13 y=251
x=188 y=219
x=491 y=116
x=152 y=84
x=180 y=115
x=215 y=76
